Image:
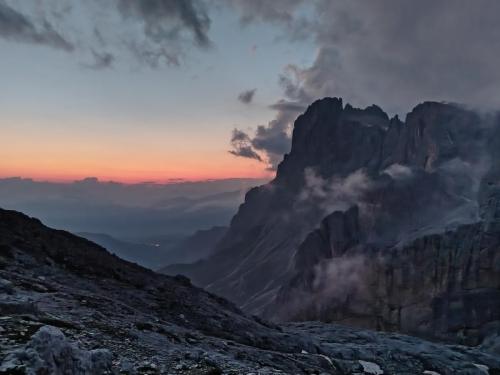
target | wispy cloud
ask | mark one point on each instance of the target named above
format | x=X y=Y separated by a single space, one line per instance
x=154 y=32
x=17 y=27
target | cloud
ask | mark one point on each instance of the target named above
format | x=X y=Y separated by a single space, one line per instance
x=273 y=140
x=242 y=145
x=102 y=60
x=277 y=11
x=246 y=97
x=287 y=14
x=162 y=18
x=153 y=32
x=398 y=172
x=283 y=105
x=340 y=278
x=269 y=142
x=383 y=53
x=15 y=26
x=335 y=193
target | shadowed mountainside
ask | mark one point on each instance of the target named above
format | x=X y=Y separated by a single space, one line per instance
x=413 y=203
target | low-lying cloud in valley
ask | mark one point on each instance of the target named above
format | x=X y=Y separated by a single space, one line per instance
x=127 y=211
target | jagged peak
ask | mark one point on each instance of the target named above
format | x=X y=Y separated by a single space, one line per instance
x=433 y=106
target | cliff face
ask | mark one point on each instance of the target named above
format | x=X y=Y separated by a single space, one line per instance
x=361 y=186
x=442 y=286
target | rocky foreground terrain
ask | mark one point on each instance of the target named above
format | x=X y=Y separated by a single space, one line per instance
x=67 y=306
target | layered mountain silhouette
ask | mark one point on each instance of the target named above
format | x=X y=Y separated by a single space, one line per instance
x=372 y=221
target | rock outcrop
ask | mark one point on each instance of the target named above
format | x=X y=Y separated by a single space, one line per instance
x=50 y=352
x=392 y=196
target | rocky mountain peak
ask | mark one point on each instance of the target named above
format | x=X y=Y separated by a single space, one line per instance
x=356 y=185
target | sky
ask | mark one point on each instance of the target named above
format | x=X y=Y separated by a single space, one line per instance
x=154 y=90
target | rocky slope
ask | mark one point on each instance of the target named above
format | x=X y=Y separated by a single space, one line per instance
x=413 y=206
x=67 y=306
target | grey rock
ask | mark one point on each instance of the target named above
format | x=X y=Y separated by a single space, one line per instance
x=49 y=351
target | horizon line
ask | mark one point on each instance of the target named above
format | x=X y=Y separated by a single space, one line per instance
x=93 y=179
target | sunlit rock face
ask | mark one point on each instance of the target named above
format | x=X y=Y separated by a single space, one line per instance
x=410 y=206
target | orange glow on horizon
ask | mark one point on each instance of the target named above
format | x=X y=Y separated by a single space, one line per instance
x=68 y=154
x=138 y=176
x=132 y=172
x=69 y=178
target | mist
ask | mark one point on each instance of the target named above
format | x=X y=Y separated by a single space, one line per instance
x=137 y=221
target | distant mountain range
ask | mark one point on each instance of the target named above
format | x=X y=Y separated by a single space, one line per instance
x=375 y=222
x=128 y=212
x=161 y=251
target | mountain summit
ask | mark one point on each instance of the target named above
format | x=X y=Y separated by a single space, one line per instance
x=374 y=221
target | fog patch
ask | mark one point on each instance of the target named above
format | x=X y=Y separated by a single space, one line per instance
x=398 y=172
x=335 y=193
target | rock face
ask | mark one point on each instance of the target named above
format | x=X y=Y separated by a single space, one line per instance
x=70 y=307
x=403 y=215
x=442 y=286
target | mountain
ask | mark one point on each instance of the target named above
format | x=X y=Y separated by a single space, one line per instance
x=129 y=212
x=197 y=246
x=161 y=251
x=148 y=254
x=373 y=221
x=67 y=306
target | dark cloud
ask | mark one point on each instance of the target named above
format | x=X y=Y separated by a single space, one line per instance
x=165 y=23
x=267 y=11
x=269 y=142
x=16 y=26
x=285 y=13
x=163 y=18
x=241 y=144
x=246 y=96
x=273 y=140
x=399 y=55
x=154 y=32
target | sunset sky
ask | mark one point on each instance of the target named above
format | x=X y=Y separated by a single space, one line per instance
x=152 y=90
x=131 y=122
